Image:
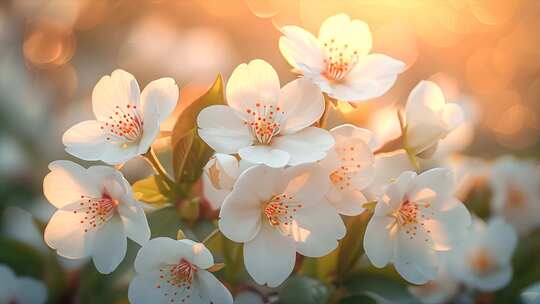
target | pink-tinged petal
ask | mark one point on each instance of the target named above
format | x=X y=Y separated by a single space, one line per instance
x=67 y=235
x=379 y=240
x=303 y=104
x=424 y=104
x=267 y=155
x=252 y=83
x=305 y=183
x=240 y=216
x=269 y=258
x=339 y=30
x=120 y=89
x=317 y=229
x=159 y=96
x=110 y=245
x=301 y=49
x=134 y=221
x=305 y=146
x=212 y=290
x=67 y=182
x=223 y=130
x=344 y=132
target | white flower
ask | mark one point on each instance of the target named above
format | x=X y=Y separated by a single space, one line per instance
x=20 y=290
x=219 y=176
x=349 y=167
x=387 y=167
x=483 y=260
x=266 y=125
x=96 y=212
x=531 y=295
x=515 y=186
x=438 y=291
x=429 y=118
x=127 y=121
x=170 y=271
x=416 y=218
x=338 y=61
x=276 y=213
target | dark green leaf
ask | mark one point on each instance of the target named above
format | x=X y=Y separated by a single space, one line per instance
x=190 y=152
x=378 y=287
x=303 y=290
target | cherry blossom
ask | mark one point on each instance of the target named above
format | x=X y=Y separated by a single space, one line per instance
x=338 y=60
x=438 y=291
x=483 y=260
x=265 y=124
x=96 y=213
x=127 y=121
x=20 y=290
x=515 y=186
x=414 y=219
x=276 y=213
x=176 y=271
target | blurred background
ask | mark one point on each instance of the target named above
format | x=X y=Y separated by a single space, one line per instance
x=485 y=54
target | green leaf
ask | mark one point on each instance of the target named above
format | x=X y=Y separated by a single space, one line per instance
x=190 y=152
x=323 y=268
x=153 y=190
x=378 y=287
x=303 y=290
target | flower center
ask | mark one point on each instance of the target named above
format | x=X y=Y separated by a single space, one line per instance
x=481 y=262
x=515 y=197
x=279 y=212
x=264 y=122
x=125 y=125
x=412 y=215
x=95 y=212
x=175 y=281
x=340 y=60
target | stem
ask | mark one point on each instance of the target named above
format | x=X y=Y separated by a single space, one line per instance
x=210 y=236
x=152 y=159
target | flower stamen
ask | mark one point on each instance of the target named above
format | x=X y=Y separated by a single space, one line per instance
x=264 y=121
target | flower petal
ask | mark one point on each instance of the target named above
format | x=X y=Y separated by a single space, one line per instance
x=240 y=216
x=67 y=182
x=269 y=257
x=142 y=289
x=303 y=104
x=452 y=116
x=65 y=233
x=119 y=89
x=379 y=240
x=414 y=258
x=305 y=146
x=159 y=96
x=371 y=77
x=156 y=252
x=317 y=229
x=30 y=291
x=134 y=221
x=223 y=130
x=212 y=290
x=440 y=180
x=197 y=253
x=110 y=246
x=354 y=33
x=301 y=49
x=267 y=155
x=424 y=104
x=350 y=203
x=252 y=83
x=9 y=283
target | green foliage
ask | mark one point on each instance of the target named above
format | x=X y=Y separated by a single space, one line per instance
x=303 y=290
x=378 y=287
x=190 y=152
x=154 y=191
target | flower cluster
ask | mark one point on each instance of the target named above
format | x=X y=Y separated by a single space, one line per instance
x=287 y=187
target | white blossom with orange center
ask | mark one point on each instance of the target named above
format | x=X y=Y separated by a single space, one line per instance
x=176 y=272
x=127 y=121
x=483 y=261
x=515 y=185
x=276 y=213
x=349 y=166
x=414 y=219
x=265 y=124
x=20 y=290
x=338 y=61
x=429 y=118
x=96 y=213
